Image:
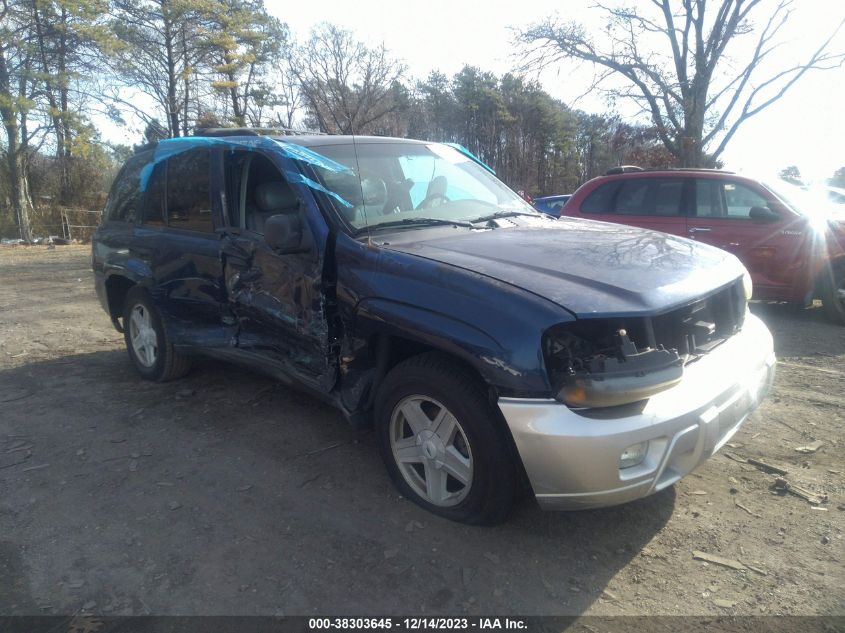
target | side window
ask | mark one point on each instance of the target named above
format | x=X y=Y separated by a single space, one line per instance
x=257 y=191
x=650 y=196
x=739 y=200
x=708 y=199
x=155 y=211
x=188 y=191
x=632 y=197
x=719 y=199
x=125 y=195
x=667 y=197
x=601 y=200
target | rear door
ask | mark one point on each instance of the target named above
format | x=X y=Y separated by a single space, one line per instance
x=279 y=300
x=771 y=248
x=655 y=203
x=178 y=239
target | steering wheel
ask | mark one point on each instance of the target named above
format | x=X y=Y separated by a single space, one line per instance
x=433 y=200
x=373 y=189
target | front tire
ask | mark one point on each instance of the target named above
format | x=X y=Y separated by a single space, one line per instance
x=443 y=442
x=150 y=350
x=833 y=293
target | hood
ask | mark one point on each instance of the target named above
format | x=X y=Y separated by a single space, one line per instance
x=590 y=268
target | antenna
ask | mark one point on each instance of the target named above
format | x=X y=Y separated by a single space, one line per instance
x=360 y=183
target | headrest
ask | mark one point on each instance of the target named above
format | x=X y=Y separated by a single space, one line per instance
x=275 y=196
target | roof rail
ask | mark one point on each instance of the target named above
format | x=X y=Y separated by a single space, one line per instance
x=715 y=171
x=622 y=169
x=252 y=131
x=626 y=169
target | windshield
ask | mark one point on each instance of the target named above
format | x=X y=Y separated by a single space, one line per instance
x=412 y=183
x=813 y=201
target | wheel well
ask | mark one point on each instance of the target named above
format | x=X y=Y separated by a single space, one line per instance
x=117 y=287
x=823 y=276
x=389 y=351
x=399 y=349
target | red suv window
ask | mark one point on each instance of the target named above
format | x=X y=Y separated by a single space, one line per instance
x=641 y=196
x=725 y=199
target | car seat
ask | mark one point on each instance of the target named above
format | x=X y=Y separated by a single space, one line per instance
x=270 y=198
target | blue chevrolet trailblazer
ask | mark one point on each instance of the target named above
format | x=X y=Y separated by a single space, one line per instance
x=493 y=347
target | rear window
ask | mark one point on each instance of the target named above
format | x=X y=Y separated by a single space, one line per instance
x=601 y=200
x=125 y=195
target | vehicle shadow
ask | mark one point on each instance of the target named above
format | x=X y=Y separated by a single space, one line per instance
x=228 y=493
x=798 y=332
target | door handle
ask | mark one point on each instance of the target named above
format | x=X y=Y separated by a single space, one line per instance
x=698 y=229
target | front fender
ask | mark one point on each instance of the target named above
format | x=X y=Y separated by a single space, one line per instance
x=496 y=364
x=492 y=326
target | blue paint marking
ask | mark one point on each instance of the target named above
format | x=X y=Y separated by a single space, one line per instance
x=172 y=146
x=463 y=150
x=294 y=177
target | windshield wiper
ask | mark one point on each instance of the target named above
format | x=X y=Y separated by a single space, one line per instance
x=503 y=214
x=413 y=222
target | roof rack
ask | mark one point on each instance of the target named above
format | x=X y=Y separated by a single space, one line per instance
x=253 y=131
x=622 y=169
x=627 y=169
x=715 y=171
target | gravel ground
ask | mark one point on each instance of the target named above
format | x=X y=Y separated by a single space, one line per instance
x=227 y=493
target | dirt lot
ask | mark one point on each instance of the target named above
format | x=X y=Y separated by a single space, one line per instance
x=225 y=493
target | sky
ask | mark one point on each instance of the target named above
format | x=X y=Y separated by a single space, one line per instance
x=805 y=128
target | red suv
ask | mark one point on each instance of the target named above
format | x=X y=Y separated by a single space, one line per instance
x=793 y=253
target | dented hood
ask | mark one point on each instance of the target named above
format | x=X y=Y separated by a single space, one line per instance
x=590 y=268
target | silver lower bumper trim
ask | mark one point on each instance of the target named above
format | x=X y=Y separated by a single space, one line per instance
x=572 y=456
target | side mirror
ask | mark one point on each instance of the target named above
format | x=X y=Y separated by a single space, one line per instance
x=763 y=214
x=283 y=232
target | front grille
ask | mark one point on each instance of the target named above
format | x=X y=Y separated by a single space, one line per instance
x=577 y=347
x=697 y=328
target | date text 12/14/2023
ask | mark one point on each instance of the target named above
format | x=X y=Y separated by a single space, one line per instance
x=417 y=623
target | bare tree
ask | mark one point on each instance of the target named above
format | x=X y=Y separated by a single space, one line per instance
x=346 y=86
x=696 y=94
x=288 y=94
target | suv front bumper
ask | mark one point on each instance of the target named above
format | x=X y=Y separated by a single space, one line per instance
x=572 y=457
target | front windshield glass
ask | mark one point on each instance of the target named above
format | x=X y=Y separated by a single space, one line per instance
x=809 y=201
x=411 y=183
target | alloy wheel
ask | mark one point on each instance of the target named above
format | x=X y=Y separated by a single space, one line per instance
x=431 y=450
x=143 y=336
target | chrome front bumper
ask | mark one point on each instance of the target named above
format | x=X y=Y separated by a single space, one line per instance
x=572 y=456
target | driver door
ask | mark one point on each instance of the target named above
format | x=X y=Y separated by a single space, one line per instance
x=769 y=247
x=277 y=299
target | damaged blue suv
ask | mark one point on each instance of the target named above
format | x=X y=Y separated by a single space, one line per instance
x=491 y=346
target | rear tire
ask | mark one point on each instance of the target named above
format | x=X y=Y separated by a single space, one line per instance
x=443 y=442
x=150 y=350
x=833 y=293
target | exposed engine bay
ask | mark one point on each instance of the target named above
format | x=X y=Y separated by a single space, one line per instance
x=610 y=362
